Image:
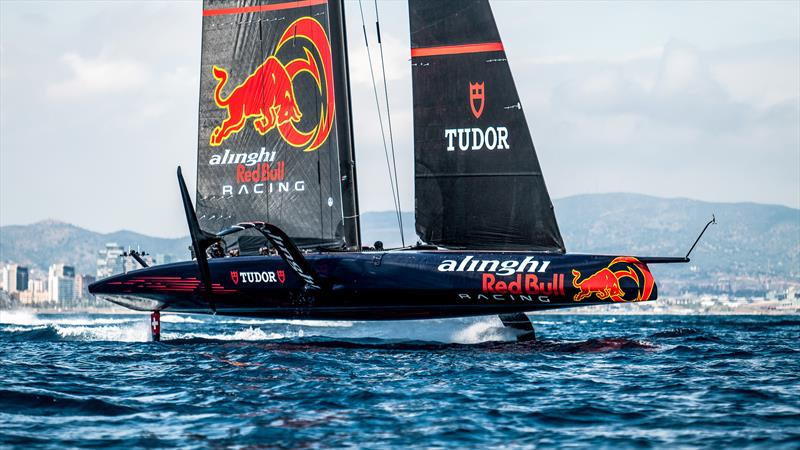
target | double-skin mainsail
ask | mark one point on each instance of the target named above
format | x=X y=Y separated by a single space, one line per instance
x=275 y=141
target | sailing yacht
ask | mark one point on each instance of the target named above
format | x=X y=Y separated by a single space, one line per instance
x=277 y=187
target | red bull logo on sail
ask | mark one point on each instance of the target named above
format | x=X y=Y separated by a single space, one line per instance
x=267 y=95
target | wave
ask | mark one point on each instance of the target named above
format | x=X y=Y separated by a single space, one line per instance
x=249 y=334
x=21 y=317
x=676 y=332
x=62 y=404
x=600 y=345
x=173 y=318
x=27 y=326
x=134 y=332
x=276 y=342
x=305 y=323
x=18 y=317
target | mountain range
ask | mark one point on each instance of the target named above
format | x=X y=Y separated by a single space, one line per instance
x=752 y=240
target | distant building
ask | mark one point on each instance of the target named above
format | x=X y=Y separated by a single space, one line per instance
x=61 y=283
x=15 y=278
x=22 y=279
x=164 y=258
x=82 y=283
x=36 y=293
x=111 y=261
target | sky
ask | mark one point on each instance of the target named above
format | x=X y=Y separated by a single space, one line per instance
x=98 y=103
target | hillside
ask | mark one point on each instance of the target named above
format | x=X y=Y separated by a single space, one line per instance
x=751 y=240
x=49 y=242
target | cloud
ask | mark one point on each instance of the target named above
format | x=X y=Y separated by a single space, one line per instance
x=98 y=76
x=685 y=89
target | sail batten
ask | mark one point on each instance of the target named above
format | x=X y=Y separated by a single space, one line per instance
x=478 y=182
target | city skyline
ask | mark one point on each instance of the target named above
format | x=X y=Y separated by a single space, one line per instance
x=61 y=284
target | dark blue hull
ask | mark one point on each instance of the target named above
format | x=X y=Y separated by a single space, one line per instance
x=393 y=285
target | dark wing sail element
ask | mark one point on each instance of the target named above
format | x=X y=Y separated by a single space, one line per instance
x=274 y=133
x=477 y=178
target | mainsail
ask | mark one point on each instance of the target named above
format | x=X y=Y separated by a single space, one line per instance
x=477 y=178
x=275 y=138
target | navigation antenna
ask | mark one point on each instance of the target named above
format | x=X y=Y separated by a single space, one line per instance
x=678 y=259
x=392 y=179
x=710 y=222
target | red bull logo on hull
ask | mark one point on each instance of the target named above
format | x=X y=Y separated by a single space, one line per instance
x=607 y=282
x=268 y=97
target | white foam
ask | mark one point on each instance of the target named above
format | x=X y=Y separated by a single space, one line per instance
x=171 y=318
x=486 y=330
x=18 y=317
x=135 y=332
x=302 y=323
x=22 y=317
x=88 y=321
x=248 y=334
x=21 y=329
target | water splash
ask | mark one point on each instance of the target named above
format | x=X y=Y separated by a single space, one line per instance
x=30 y=326
x=486 y=330
x=173 y=318
x=248 y=334
x=138 y=331
x=30 y=318
x=304 y=323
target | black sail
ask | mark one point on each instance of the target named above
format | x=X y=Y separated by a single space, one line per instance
x=275 y=140
x=477 y=178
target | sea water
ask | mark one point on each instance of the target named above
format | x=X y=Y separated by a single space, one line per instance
x=222 y=382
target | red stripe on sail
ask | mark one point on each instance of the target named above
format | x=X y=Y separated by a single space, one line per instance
x=457 y=49
x=260 y=8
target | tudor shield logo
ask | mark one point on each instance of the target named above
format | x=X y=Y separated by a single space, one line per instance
x=472 y=138
x=476 y=97
x=281 y=275
x=235 y=277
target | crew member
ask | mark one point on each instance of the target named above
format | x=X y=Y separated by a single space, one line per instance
x=217 y=251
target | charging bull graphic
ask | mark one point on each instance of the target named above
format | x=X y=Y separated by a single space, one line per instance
x=268 y=97
x=607 y=282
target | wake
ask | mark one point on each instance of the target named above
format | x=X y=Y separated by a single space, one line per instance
x=482 y=332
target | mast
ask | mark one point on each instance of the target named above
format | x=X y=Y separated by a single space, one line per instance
x=347 y=158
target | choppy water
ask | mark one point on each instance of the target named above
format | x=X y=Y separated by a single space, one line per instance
x=591 y=381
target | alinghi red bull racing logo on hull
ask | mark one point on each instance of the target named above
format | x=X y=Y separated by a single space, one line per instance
x=267 y=95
